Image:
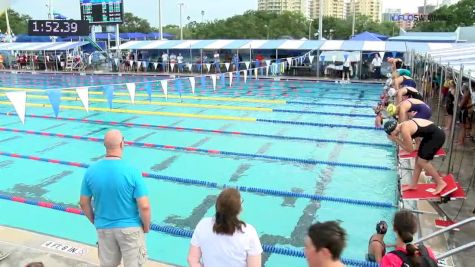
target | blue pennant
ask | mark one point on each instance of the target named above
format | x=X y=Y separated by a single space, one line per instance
x=148 y=88
x=109 y=91
x=54 y=97
x=203 y=82
x=179 y=85
x=223 y=80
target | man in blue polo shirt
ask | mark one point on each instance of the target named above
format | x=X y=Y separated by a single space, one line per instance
x=120 y=210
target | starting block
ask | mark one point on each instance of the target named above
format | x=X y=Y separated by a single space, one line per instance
x=404 y=155
x=445 y=223
x=424 y=191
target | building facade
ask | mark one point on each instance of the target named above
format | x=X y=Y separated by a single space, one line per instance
x=331 y=8
x=389 y=13
x=428 y=9
x=279 y=6
x=370 y=8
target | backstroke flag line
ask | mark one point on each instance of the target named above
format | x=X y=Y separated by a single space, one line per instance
x=54 y=97
x=164 y=84
x=131 y=89
x=83 y=93
x=192 y=84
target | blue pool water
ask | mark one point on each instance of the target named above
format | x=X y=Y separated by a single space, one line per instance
x=280 y=221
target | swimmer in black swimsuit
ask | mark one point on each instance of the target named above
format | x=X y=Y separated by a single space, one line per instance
x=376 y=245
x=433 y=139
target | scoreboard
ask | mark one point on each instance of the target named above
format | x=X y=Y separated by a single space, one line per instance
x=102 y=11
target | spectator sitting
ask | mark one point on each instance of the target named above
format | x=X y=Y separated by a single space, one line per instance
x=407 y=254
x=376 y=246
x=324 y=244
x=225 y=240
x=121 y=211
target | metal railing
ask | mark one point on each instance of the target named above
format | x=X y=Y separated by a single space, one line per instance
x=446 y=229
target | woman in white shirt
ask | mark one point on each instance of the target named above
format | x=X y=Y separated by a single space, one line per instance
x=346 y=69
x=225 y=240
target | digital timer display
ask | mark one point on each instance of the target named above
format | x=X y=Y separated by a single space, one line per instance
x=58 y=27
x=102 y=11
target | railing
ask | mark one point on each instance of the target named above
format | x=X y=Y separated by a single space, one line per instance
x=453 y=226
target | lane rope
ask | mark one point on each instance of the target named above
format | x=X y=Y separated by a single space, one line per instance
x=200 y=130
x=202 y=183
x=208 y=151
x=176 y=231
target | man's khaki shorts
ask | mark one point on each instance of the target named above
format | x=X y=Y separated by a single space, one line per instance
x=126 y=243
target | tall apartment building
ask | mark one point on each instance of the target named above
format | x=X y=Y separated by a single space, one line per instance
x=370 y=8
x=428 y=8
x=331 y=8
x=284 y=5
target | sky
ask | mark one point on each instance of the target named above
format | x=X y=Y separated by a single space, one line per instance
x=214 y=9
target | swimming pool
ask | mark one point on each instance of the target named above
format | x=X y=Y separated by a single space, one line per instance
x=301 y=151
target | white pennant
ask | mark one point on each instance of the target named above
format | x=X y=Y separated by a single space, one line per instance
x=245 y=76
x=208 y=66
x=83 y=93
x=116 y=60
x=381 y=54
x=289 y=60
x=155 y=65
x=47 y=58
x=255 y=73
x=172 y=66
x=227 y=66
x=213 y=78
x=144 y=64
x=139 y=63
x=311 y=58
x=230 y=79
x=268 y=62
x=192 y=83
x=131 y=62
x=164 y=84
x=131 y=89
x=267 y=70
x=247 y=63
x=18 y=100
x=58 y=57
x=190 y=66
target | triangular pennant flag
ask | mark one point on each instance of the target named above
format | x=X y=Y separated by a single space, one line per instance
x=54 y=97
x=164 y=84
x=255 y=74
x=267 y=70
x=189 y=66
x=192 y=84
x=227 y=65
x=179 y=85
x=230 y=79
x=148 y=88
x=144 y=64
x=131 y=62
x=172 y=66
x=116 y=60
x=208 y=67
x=222 y=79
x=381 y=54
x=58 y=57
x=18 y=100
x=213 y=78
x=311 y=58
x=289 y=60
x=139 y=63
x=203 y=82
x=155 y=65
x=83 y=93
x=245 y=76
x=247 y=63
x=322 y=58
x=345 y=56
x=131 y=89
x=394 y=54
x=109 y=91
x=268 y=61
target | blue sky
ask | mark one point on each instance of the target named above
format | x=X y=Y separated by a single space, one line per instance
x=214 y=9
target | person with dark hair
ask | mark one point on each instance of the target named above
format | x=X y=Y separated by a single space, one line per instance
x=407 y=92
x=433 y=139
x=376 y=245
x=407 y=254
x=409 y=109
x=466 y=107
x=324 y=244
x=225 y=240
x=401 y=81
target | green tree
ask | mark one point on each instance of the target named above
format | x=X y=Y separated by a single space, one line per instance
x=135 y=24
x=18 y=22
x=448 y=18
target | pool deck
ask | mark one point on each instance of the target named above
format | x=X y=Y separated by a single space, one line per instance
x=27 y=246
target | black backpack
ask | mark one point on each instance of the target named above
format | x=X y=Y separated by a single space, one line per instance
x=426 y=260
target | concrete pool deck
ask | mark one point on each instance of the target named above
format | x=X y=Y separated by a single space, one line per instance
x=27 y=246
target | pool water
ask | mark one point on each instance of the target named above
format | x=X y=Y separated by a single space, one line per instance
x=274 y=135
